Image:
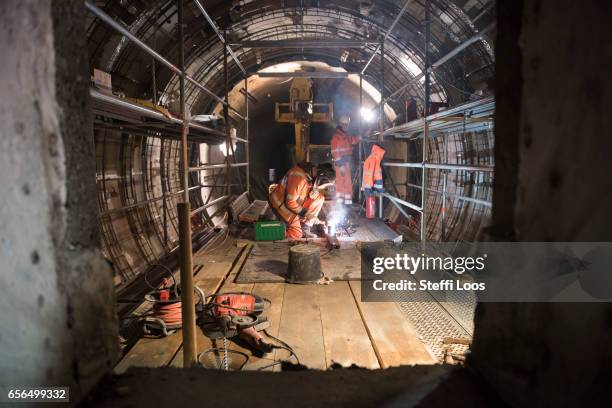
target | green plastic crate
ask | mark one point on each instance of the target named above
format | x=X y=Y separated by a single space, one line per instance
x=269 y=231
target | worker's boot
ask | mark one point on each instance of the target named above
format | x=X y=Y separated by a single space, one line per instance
x=306 y=232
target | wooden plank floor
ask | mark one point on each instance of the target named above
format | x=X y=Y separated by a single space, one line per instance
x=324 y=324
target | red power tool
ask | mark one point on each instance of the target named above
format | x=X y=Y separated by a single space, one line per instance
x=231 y=314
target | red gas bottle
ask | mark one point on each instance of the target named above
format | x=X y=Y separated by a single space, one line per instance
x=370 y=207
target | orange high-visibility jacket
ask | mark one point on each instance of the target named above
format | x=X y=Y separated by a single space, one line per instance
x=289 y=195
x=372 y=172
x=341 y=144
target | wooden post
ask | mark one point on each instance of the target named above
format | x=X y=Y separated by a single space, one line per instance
x=187 y=305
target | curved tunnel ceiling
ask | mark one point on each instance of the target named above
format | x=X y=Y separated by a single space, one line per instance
x=155 y=23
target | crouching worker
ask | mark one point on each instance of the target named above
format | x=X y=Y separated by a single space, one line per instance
x=299 y=197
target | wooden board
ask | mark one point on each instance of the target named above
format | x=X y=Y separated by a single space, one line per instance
x=268 y=260
x=239 y=205
x=395 y=338
x=300 y=326
x=275 y=293
x=345 y=337
x=254 y=211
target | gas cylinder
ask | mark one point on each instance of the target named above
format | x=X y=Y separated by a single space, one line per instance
x=370 y=207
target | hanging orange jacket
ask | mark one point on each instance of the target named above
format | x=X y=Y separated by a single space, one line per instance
x=289 y=195
x=372 y=171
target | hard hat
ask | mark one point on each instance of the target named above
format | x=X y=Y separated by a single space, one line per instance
x=344 y=120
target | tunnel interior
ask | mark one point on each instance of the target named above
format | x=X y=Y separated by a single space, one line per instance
x=103 y=218
x=374 y=73
x=464 y=77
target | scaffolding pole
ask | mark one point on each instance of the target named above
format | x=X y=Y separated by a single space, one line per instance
x=184 y=213
x=387 y=34
x=246 y=134
x=474 y=39
x=381 y=108
x=360 y=169
x=425 y=142
x=126 y=33
x=218 y=32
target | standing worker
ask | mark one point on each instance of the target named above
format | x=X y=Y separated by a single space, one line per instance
x=342 y=155
x=297 y=199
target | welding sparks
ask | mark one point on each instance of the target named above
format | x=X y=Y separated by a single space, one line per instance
x=337 y=217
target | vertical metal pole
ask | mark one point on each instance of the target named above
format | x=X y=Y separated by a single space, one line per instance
x=164 y=177
x=360 y=169
x=153 y=73
x=443 y=222
x=246 y=134
x=185 y=129
x=228 y=140
x=184 y=215
x=426 y=124
x=382 y=92
x=154 y=98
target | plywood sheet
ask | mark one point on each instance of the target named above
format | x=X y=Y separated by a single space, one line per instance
x=345 y=337
x=395 y=338
x=275 y=293
x=300 y=326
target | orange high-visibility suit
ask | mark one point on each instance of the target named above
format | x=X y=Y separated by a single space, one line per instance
x=293 y=198
x=342 y=155
x=372 y=171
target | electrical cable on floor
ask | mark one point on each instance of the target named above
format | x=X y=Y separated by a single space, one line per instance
x=220 y=361
x=207 y=250
x=169 y=313
x=169 y=273
x=283 y=345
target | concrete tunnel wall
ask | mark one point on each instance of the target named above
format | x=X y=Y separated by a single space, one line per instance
x=551 y=157
x=59 y=325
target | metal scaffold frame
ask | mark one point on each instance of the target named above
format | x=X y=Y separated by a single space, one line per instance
x=141 y=124
x=468 y=117
x=154 y=123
